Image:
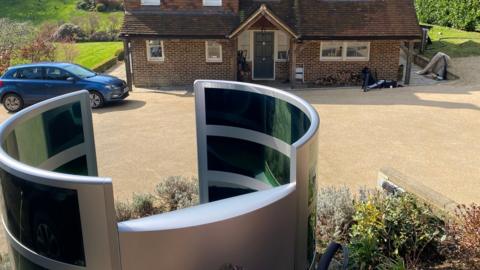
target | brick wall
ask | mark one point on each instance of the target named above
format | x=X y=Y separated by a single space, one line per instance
x=282 y=71
x=384 y=58
x=185 y=62
x=172 y=5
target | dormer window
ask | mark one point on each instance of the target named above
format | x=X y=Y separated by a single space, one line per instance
x=212 y=3
x=150 y=2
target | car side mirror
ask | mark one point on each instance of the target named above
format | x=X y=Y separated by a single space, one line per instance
x=71 y=79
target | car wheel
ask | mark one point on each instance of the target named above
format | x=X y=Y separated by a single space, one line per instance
x=12 y=102
x=46 y=237
x=96 y=99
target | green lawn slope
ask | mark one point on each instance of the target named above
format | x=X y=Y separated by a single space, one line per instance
x=92 y=54
x=455 y=43
x=39 y=11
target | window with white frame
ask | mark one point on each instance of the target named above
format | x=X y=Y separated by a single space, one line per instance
x=283 y=45
x=344 y=51
x=213 y=51
x=212 y=3
x=244 y=44
x=358 y=50
x=150 y=2
x=331 y=51
x=155 y=50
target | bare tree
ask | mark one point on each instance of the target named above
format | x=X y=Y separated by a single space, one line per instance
x=13 y=36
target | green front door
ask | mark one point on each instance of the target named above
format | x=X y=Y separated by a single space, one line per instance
x=263 y=64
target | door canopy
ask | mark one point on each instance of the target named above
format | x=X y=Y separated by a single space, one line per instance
x=263 y=12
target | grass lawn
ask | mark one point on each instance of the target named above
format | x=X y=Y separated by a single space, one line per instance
x=39 y=11
x=455 y=43
x=90 y=54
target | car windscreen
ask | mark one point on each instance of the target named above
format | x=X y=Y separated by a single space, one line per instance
x=79 y=71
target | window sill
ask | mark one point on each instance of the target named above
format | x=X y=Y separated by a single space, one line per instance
x=332 y=59
x=156 y=60
x=214 y=61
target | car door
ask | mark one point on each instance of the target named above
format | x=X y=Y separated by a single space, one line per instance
x=30 y=84
x=58 y=81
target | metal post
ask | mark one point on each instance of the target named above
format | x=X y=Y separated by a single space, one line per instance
x=293 y=63
x=408 y=70
x=126 y=46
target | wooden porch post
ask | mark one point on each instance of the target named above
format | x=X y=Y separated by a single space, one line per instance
x=293 y=62
x=127 y=55
x=235 y=59
x=408 y=69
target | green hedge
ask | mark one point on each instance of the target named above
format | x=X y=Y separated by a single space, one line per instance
x=105 y=65
x=460 y=14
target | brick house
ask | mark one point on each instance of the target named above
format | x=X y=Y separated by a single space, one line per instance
x=174 y=42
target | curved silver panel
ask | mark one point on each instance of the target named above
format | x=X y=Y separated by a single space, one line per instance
x=257 y=152
x=55 y=220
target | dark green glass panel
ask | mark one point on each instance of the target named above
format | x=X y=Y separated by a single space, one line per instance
x=219 y=193
x=258 y=112
x=43 y=136
x=22 y=263
x=77 y=166
x=249 y=159
x=43 y=218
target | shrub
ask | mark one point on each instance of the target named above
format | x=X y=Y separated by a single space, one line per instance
x=111 y=5
x=5 y=262
x=143 y=205
x=87 y=5
x=101 y=36
x=101 y=7
x=124 y=211
x=461 y=14
x=69 y=31
x=120 y=54
x=335 y=211
x=177 y=192
x=394 y=226
x=464 y=230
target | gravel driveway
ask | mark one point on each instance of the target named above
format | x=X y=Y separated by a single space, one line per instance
x=429 y=133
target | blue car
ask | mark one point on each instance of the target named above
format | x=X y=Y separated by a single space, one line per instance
x=28 y=84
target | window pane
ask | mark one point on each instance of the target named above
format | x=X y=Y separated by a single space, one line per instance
x=212 y=2
x=261 y=113
x=77 y=166
x=46 y=135
x=29 y=74
x=282 y=46
x=156 y=52
x=282 y=55
x=331 y=49
x=244 y=44
x=357 y=50
x=219 y=193
x=154 y=42
x=249 y=159
x=45 y=219
x=214 y=50
x=150 y=2
x=55 y=74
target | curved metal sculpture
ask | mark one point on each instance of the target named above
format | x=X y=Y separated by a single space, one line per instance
x=257 y=152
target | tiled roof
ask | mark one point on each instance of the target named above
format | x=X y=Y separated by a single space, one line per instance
x=358 y=18
x=179 y=24
x=310 y=19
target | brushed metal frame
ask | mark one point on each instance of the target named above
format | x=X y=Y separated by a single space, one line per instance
x=296 y=151
x=95 y=194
